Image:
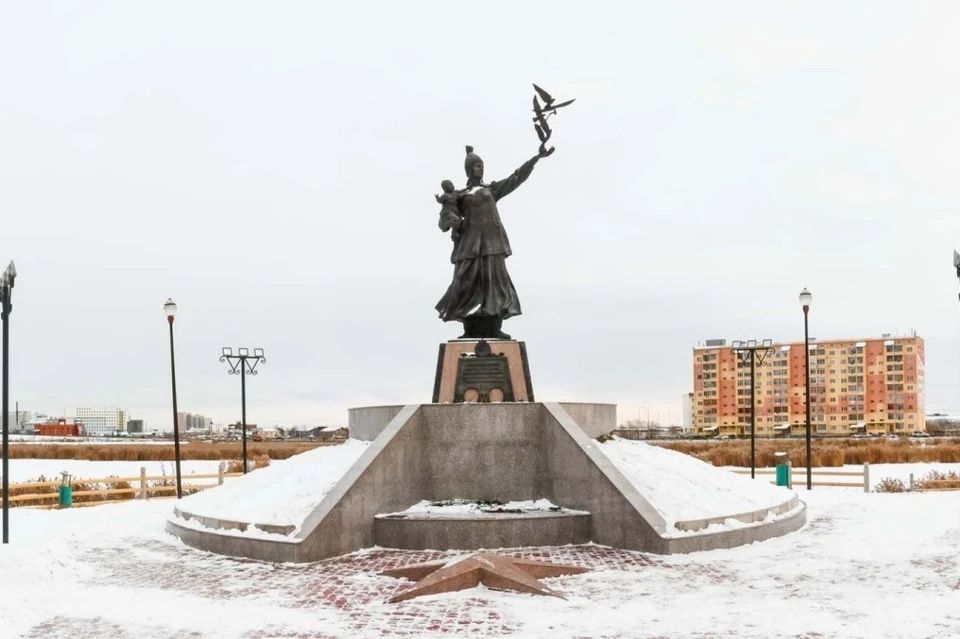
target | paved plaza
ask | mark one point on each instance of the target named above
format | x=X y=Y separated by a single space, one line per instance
x=867 y=565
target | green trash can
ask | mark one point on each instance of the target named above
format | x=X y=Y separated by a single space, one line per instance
x=783 y=469
x=66 y=491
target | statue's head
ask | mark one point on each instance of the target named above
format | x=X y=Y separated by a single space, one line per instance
x=473 y=165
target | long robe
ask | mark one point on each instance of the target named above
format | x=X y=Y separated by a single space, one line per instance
x=481 y=284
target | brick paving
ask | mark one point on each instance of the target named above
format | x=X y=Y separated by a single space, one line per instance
x=842 y=577
x=349 y=584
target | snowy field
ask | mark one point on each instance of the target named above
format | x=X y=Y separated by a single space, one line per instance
x=878 y=472
x=22 y=470
x=866 y=566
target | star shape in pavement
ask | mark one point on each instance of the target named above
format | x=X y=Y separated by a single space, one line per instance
x=498 y=572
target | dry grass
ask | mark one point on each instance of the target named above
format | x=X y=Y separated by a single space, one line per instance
x=159 y=452
x=236 y=465
x=935 y=480
x=825 y=453
x=890 y=485
x=155 y=488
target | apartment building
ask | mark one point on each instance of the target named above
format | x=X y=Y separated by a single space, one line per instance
x=190 y=421
x=101 y=421
x=873 y=385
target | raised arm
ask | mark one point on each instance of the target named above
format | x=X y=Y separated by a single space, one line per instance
x=503 y=188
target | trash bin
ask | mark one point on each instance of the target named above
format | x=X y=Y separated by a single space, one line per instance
x=66 y=491
x=783 y=469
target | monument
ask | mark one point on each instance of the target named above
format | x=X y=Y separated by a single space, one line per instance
x=482 y=440
x=481 y=294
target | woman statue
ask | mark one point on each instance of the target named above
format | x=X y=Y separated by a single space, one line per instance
x=481 y=294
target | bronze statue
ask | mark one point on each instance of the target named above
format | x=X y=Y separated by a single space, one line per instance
x=482 y=294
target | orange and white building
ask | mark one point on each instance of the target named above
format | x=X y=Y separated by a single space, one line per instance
x=873 y=385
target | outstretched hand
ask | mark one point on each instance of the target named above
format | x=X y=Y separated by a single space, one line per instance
x=545 y=152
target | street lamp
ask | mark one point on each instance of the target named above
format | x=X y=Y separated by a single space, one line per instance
x=751 y=351
x=171 y=309
x=243 y=363
x=6 y=306
x=956 y=263
x=805 y=299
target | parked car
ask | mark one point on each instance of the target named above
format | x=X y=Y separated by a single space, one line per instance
x=722 y=438
x=919 y=433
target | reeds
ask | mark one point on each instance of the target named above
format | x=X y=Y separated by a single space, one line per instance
x=236 y=465
x=824 y=453
x=160 y=452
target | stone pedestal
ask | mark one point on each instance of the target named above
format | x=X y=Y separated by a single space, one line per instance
x=480 y=452
x=482 y=371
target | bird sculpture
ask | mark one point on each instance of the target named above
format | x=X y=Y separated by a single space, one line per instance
x=542 y=113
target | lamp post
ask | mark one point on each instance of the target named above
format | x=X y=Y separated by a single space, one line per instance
x=171 y=309
x=243 y=363
x=805 y=299
x=956 y=263
x=751 y=351
x=6 y=306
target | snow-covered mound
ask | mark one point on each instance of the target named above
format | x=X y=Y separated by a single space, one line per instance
x=681 y=487
x=283 y=493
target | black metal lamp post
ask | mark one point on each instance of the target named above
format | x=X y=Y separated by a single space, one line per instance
x=6 y=306
x=956 y=263
x=805 y=299
x=171 y=309
x=243 y=363
x=753 y=352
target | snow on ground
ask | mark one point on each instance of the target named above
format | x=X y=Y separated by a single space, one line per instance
x=283 y=493
x=900 y=471
x=22 y=470
x=678 y=486
x=681 y=487
x=866 y=566
x=878 y=472
x=466 y=507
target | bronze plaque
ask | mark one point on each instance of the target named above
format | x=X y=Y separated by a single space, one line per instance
x=483 y=374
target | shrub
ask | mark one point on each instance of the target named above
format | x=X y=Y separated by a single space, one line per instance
x=935 y=480
x=826 y=452
x=890 y=485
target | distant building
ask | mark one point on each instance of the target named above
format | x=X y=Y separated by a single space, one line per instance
x=101 y=421
x=871 y=385
x=237 y=428
x=59 y=428
x=323 y=433
x=687 y=404
x=135 y=426
x=943 y=425
x=19 y=421
x=190 y=421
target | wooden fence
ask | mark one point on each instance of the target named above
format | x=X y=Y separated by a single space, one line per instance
x=931 y=485
x=798 y=475
x=41 y=492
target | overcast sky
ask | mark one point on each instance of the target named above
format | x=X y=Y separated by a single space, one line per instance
x=272 y=167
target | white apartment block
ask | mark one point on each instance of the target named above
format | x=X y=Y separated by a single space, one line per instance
x=687 y=403
x=101 y=421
